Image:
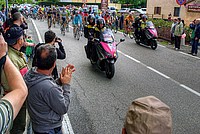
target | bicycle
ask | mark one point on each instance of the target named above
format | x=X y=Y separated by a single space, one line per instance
x=115 y=26
x=129 y=31
x=67 y=26
x=54 y=22
x=77 y=33
x=49 y=21
x=62 y=28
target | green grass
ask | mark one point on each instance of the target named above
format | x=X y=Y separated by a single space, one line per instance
x=164 y=43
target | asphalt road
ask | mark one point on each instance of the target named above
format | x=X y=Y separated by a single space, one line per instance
x=99 y=105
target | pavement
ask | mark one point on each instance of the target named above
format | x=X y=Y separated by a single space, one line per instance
x=184 y=48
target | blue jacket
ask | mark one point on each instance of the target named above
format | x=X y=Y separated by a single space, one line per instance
x=77 y=20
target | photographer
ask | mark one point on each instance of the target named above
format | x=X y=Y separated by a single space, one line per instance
x=51 y=39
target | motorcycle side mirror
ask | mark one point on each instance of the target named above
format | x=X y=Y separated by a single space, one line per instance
x=122 y=40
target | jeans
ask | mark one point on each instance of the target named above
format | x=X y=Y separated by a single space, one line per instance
x=195 y=46
x=57 y=130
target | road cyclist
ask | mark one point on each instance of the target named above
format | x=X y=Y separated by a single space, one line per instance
x=76 y=25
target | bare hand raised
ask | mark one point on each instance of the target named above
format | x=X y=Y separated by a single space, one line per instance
x=66 y=74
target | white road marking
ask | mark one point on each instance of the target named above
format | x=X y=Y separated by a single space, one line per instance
x=190 y=55
x=129 y=57
x=67 y=125
x=66 y=122
x=161 y=74
x=167 y=77
x=37 y=31
x=189 y=89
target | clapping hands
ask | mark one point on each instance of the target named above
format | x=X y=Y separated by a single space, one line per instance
x=66 y=74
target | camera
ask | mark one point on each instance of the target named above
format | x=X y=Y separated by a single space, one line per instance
x=58 y=39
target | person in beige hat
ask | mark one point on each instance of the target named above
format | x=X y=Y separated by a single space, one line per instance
x=148 y=115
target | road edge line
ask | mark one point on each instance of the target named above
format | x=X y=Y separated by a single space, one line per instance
x=189 y=89
x=66 y=118
x=37 y=31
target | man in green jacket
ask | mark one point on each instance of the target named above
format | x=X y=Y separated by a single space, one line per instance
x=178 y=33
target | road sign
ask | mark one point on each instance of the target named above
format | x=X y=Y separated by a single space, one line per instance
x=181 y=2
x=104 y=4
x=84 y=1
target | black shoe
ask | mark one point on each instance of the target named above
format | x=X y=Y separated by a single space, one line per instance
x=190 y=53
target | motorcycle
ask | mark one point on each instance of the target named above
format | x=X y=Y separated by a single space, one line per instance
x=105 y=50
x=148 y=37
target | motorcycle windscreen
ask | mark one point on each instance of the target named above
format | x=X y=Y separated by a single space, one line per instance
x=152 y=32
x=150 y=24
x=108 y=43
x=107 y=36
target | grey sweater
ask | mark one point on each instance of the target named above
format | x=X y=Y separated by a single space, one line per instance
x=47 y=101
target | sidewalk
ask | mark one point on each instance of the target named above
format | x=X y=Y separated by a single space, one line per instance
x=33 y=31
x=183 y=48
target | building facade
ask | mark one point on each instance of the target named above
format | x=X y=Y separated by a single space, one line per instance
x=110 y=2
x=162 y=8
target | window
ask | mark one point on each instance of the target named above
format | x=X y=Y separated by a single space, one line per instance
x=157 y=10
x=176 y=11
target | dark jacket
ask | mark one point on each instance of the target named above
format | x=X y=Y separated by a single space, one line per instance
x=98 y=33
x=47 y=101
x=197 y=31
x=60 y=55
x=88 y=31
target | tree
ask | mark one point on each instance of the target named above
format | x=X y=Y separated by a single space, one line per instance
x=135 y=3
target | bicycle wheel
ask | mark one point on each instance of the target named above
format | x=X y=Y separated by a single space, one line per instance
x=67 y=27
x=77 y=34
x=62 y=29
x=131 y=34
x=124 y=33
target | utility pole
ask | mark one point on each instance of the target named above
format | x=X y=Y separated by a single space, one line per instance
x=6 y=9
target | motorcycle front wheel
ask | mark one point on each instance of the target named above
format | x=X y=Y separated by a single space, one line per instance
x=154 y=44
x=110 y=70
